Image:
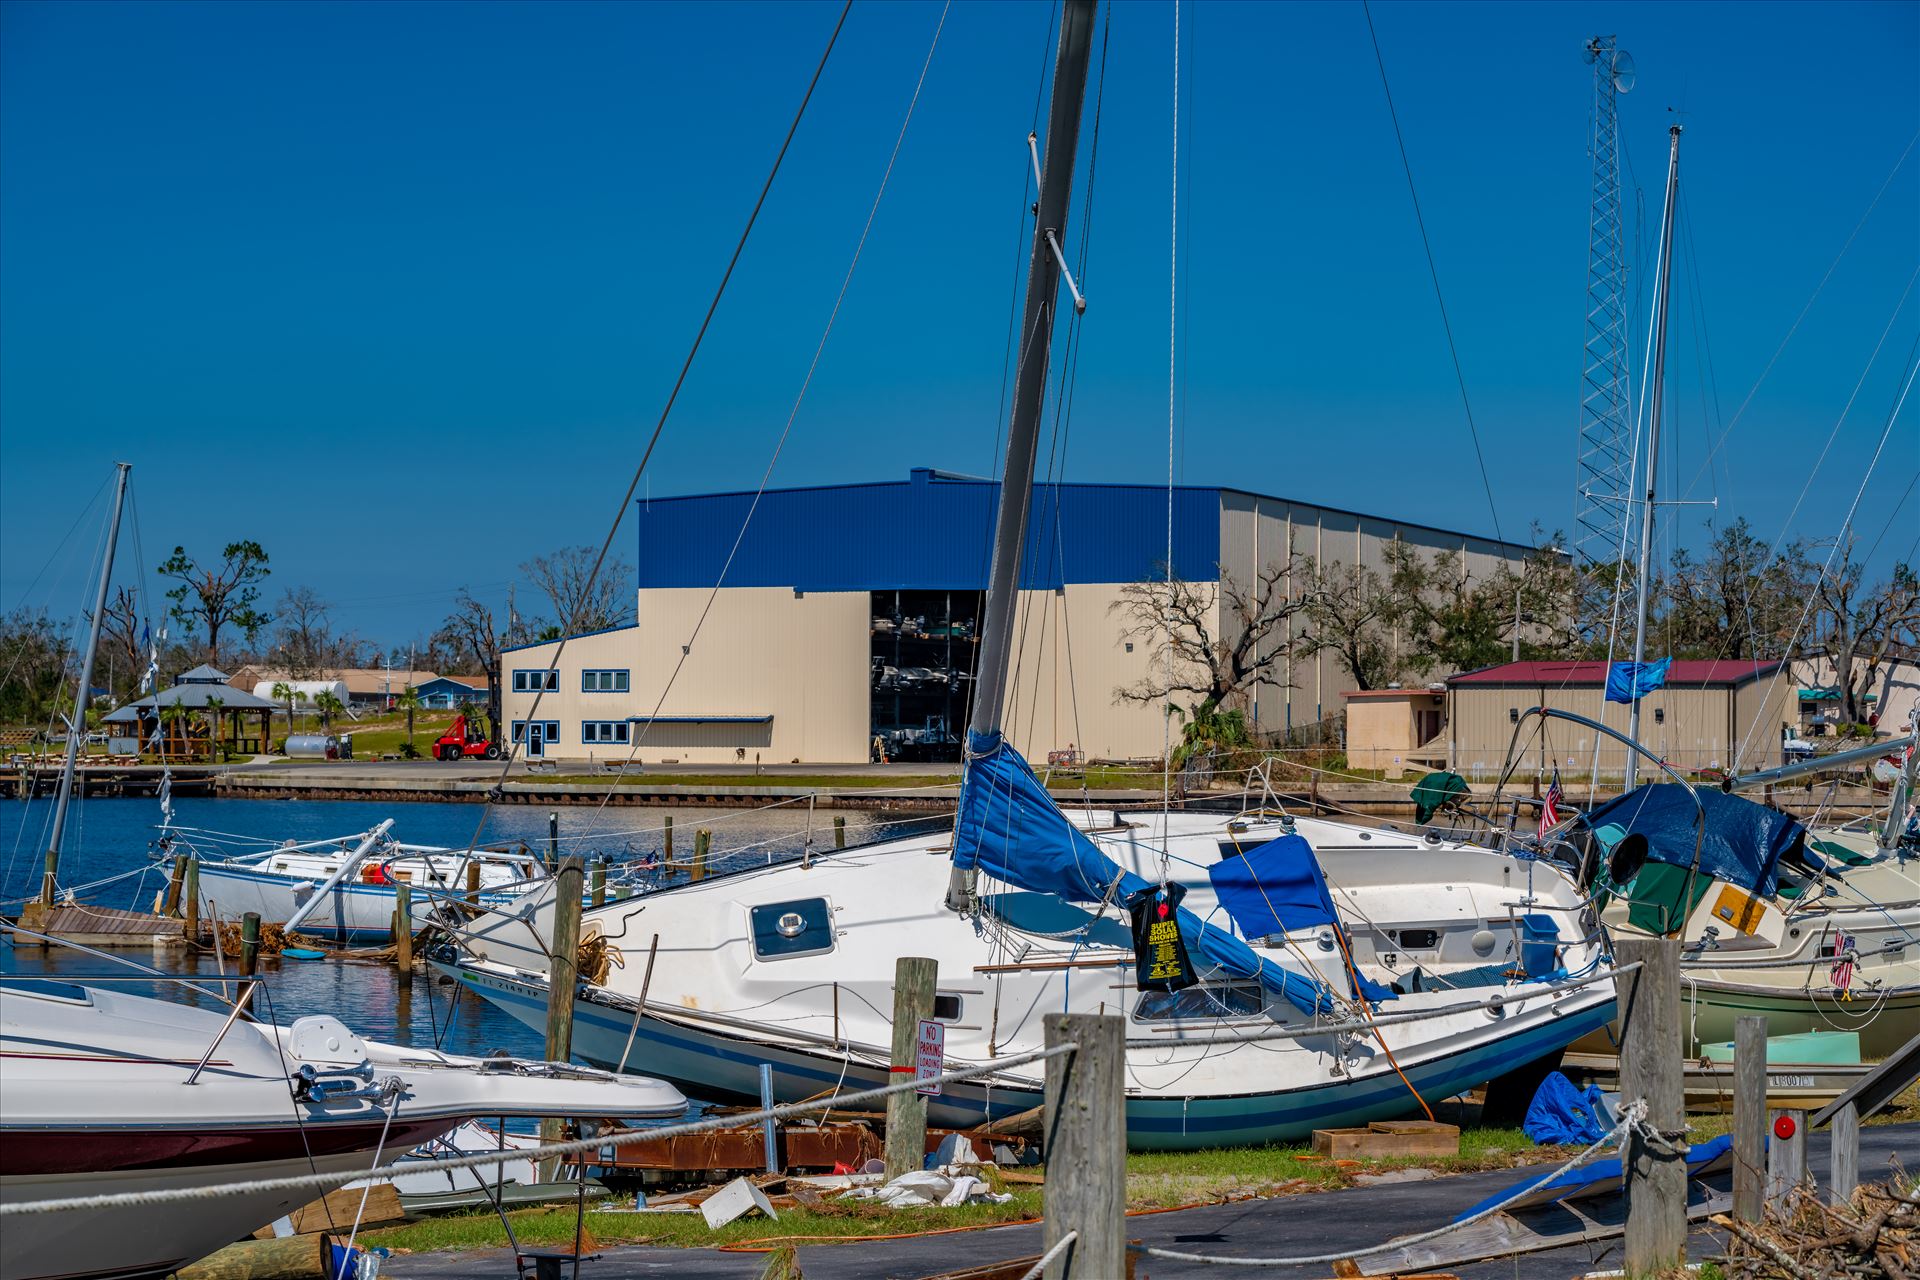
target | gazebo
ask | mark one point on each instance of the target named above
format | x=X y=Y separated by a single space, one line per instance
x=206 y=705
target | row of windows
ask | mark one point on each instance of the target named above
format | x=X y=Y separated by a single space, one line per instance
x=598 y=680
x=604 y=731
x=549 y=730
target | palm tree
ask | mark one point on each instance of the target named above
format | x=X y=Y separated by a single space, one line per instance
x=328 y=704
x=283 y=692
x=215 y=704
x=409 y=702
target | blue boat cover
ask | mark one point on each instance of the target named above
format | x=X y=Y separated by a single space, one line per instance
x=1273 y=887
x=1742 y=844
x=1562 y=1115
x=1009 y=828
x=1627 y=681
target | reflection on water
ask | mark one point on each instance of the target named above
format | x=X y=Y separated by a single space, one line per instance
x=113 y=837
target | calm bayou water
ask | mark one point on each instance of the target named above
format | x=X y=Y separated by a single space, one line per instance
x=108 y=837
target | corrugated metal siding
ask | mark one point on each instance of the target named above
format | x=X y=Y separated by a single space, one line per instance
x=928 y=532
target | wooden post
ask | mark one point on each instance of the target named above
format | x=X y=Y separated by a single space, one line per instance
x=1843 y=1172
x=599 y=882
x=1656 y=1234
x=403 y=926
x=913 y=981
x=702 y=841
x=1086 y=1139
x=553 y=838
x=249 y=943
x=840 y=832
x=1749 y=1117
x=563 y=978
x=174 y=883
x=190 y=900
x=473 y=884
x=1786 y=1157
x=667 y=855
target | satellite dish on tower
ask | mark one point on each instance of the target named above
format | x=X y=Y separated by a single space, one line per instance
x=1623 y=72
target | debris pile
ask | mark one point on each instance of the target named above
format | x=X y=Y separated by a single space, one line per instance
x=1876 y=1234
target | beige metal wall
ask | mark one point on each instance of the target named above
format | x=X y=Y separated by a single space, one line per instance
x=1258 y=532
x=801 y=658
x=1695 y=728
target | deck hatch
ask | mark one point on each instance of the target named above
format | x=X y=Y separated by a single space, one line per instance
x=783 y=930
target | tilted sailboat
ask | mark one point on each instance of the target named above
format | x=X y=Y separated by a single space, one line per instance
x=1299 y=931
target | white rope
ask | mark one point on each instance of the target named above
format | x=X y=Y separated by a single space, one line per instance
x=1630 y=1118
x=1173 y=345
x=1392 y=1019
x=301 y=1182
x=1060 y=1246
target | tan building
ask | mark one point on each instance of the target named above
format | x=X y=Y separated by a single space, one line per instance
x=1710 y=717
x=1397 y=731
x=1890 y=693
x=845 y=621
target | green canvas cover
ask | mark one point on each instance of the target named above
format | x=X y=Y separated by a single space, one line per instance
x=1435 y=791
x=1654 y=897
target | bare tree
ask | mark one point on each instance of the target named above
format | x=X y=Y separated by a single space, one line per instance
x=1215 y=664
x=120 y=628
x=1354 y=617
x=583 y=602
x=305 y=634
x=1859 y=626
x=217 y=596
x=470 y=630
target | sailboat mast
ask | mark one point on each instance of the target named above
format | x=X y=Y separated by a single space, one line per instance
x=1030 y=385
x=77 y=730
x=1655 y=389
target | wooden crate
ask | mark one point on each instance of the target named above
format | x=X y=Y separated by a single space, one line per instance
x=1386 y=1138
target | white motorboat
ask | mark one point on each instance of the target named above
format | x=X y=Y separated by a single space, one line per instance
x=345 y=889
x=103 y=1092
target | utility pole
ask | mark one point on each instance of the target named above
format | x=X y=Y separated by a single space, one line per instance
x=1663 y=281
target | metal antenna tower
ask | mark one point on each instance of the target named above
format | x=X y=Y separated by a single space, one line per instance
x=1604 y=481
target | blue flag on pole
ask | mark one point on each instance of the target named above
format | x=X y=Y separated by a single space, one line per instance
x=1628 y=681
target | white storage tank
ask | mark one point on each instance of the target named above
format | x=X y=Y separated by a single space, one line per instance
x=311 y=688
x=313 y=746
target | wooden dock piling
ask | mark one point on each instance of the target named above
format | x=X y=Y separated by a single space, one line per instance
x=249 y=943
x=1650 y=1071
x=1749 y=1117
x=840 y=831
x=190 y=900
x=473 y=884
x=599 y=882
x=563 y=979
x=1086 y=1134
x=913 y=983
x=702 y=842
x=403 y=926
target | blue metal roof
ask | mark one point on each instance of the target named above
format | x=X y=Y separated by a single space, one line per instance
x=933 y=531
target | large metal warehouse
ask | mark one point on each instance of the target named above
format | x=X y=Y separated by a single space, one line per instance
x=842 y=623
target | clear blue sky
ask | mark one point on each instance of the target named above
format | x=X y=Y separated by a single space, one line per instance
x=399 y=289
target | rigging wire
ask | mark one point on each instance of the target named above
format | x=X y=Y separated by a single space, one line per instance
x=1434 y=271
x=1173 y=402
x=666 y=410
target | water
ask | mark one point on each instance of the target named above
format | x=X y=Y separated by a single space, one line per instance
x=107 y=837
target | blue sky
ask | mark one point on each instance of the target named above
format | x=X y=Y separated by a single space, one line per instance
x=398 y=290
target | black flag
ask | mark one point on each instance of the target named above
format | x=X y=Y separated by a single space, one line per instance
x=1160 y=957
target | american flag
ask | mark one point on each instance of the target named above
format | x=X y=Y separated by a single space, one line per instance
x=1550 y=805
x=1841 y=974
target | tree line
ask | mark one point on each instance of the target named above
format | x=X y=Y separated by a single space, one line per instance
x=1426 y=615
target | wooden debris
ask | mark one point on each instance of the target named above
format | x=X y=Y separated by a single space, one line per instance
x=287 y=1258
x=337 y=1210
x=1384 y=1139
x=1877 y=1233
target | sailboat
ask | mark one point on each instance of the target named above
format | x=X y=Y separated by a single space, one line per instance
x=1296 y=936
x=1771 y=925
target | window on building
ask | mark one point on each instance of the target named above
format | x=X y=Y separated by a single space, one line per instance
x=549 y=731
x=604 y=681
x=604 y=731
x=782 y=930
x=529 y=681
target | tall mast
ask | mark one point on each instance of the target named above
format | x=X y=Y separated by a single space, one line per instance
x=77 y=730
x=1663 y=286
x=1030 y=386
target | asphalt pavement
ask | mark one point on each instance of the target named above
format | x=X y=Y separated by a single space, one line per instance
x=1289 y=1226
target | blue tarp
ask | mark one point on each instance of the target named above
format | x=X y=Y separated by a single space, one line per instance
x=1563 y=1115
x=1600 y=1177
x=1273 y=887
x=1743 y=841
x=1627 y=681
x=1009 y=828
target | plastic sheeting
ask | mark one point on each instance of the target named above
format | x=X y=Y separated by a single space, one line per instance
x=1009 y=828
x=1273 y=888
x=1628 y=681
x=1742 y=842
x=1563 y=1115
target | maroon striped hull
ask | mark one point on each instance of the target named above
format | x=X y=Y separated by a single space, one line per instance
x=41 y=1152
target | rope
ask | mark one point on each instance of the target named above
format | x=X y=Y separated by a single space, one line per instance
x=1060 y=1246
x=1393 y=1019
x=303 y=1182
x=1630 y=1119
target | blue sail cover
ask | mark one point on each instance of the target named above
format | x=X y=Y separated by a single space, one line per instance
x=1743 y=842
x=1273 y=887
x=1629 y=681
x=1009 y=828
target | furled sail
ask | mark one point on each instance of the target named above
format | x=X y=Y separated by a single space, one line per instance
x=1010 y=830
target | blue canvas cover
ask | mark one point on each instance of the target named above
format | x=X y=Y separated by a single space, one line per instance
x=1743 y=841
x=1563 y=1115
x=1009 y=828
x=1603 y=1177
x=1273 y=887
x=1627 y=681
